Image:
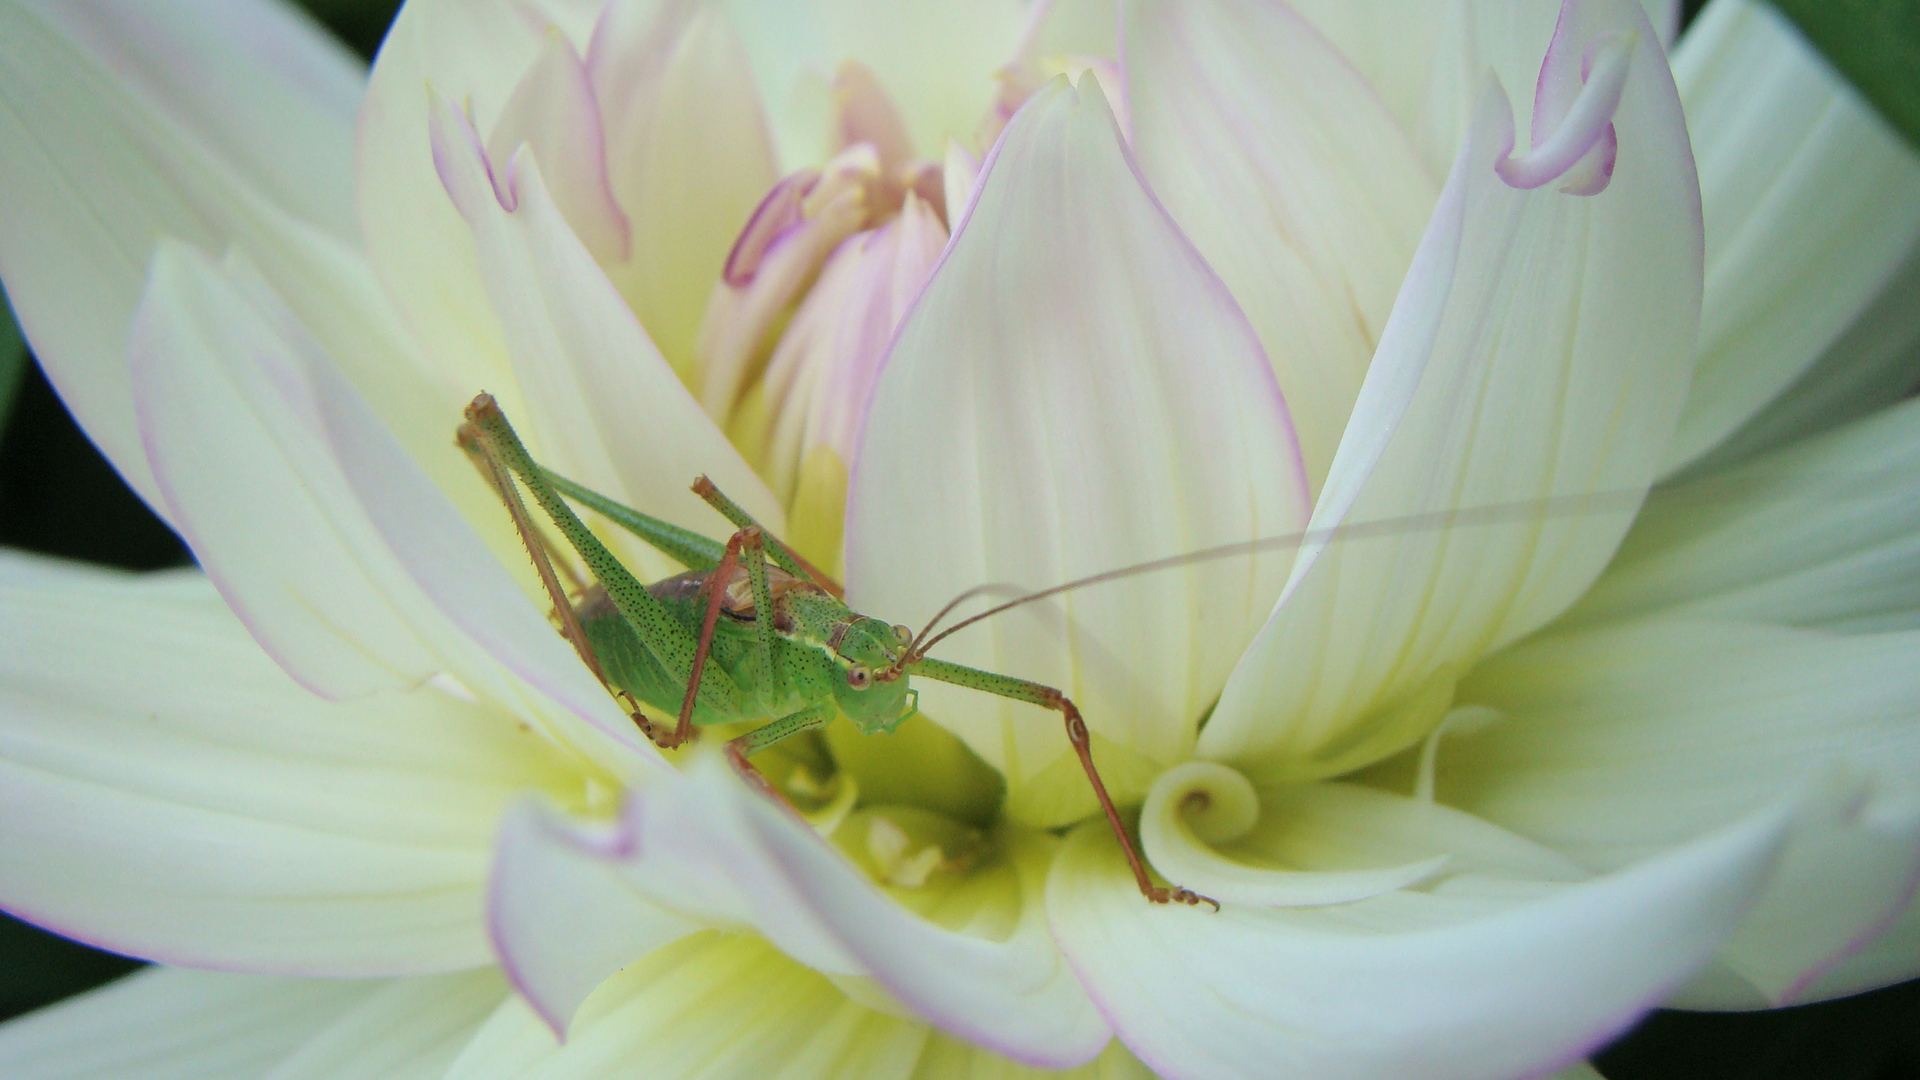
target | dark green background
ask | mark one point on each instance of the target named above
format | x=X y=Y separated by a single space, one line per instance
x=59 y=496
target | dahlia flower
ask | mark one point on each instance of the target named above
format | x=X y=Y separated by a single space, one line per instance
x=971 y=295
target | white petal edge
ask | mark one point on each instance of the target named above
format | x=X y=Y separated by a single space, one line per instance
x=238 y=407
x=477 y=51
x=1484 y=976
x=170 y=1023
x=1074 y=391
x=1536 y=358
x=170 y=794
x=1812 y=201
x=1624 y=739
x=98 y=166
x=702 y=847
x=247 y=480
x=1294 y=181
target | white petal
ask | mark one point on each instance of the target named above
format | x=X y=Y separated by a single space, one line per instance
x=554 y=114
x=218 y=377
x=688 y=153
x=176 y=1024
x=701 y=845
x=1872 y=365
x=261 y=85
x=1811 y=203
x=603 y=407
x=1538 y=349
x=140 y=133
x=544 y=861
x=490 y=637
x=1292 y=178
x=936 y=60
x=409 y=1029
x=1303 y=862
x=1822 y=533
x=1074 y=391
x=1488 y=974
x=475 y=51
x=1621 y=741
x=714 y=1005
x=238 y=409
x=170 y=794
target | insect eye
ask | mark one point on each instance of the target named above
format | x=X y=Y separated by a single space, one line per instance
x=902 y=636
x=858 y=677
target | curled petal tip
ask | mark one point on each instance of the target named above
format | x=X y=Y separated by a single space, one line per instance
x=460 y=158
x=1582 y=146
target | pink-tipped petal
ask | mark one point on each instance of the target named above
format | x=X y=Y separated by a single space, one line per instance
x=1539 y=349
x=473 y=52
x=545 y=863
x=779 y=213
x=1573 y=109
x=1074 y=391
x=554 y=114
x=238 y=457
x=867 y=115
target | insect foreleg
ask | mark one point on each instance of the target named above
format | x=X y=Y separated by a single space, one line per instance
x=782 y=555
x=741 y=747
x=1047 y=697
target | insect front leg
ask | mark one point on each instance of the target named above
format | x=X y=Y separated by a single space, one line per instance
x=785 y=557
x=742 y=747
x=1047 y=697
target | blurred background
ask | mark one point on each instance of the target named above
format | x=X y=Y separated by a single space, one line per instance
x=60 y=497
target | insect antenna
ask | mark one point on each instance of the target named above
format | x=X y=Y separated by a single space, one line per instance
x=1485 y=514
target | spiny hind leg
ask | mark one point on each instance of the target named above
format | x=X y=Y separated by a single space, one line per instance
x=743 y=546
x=539 y=549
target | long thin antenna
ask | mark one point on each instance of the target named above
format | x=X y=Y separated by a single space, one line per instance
x=1487 y=514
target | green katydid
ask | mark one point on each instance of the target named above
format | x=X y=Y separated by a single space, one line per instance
x=668 y=645
x=694 y=642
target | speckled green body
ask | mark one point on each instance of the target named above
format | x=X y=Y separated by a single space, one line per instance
x=816 y=641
